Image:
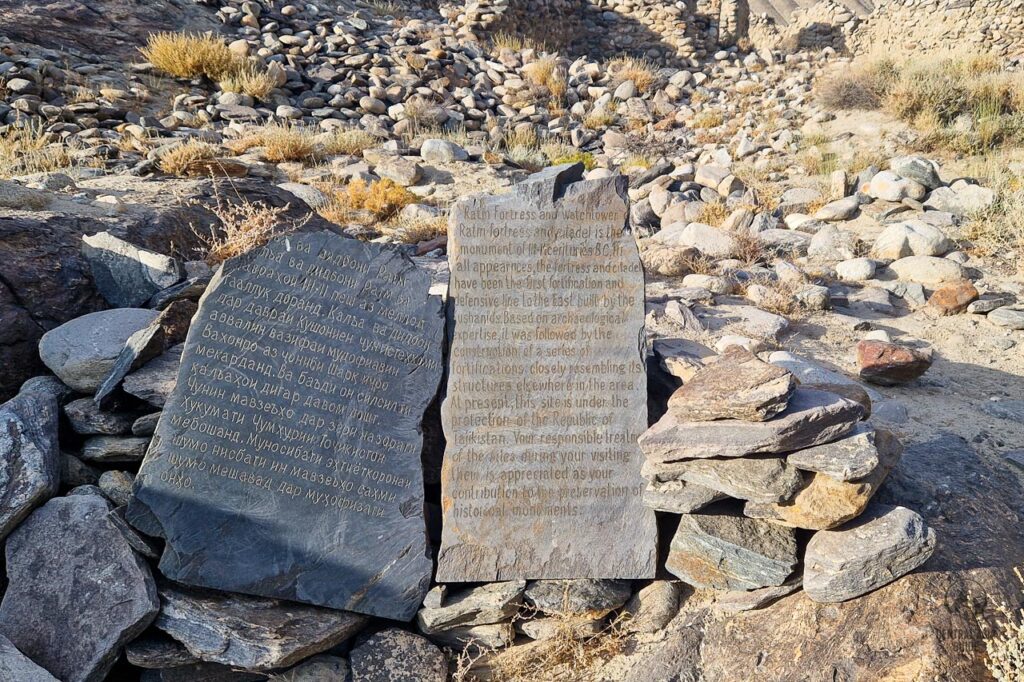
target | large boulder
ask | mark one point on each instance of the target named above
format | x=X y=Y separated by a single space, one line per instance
x=77 y=592
x=47 y=281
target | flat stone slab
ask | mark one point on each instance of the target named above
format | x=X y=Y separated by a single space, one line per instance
x=761 y=479
x=30 y=458
x=483 y=605
x=155 y=380
x=885 y=543
x=547 y=391
x=286 y=462
x=812 y=418
x=846 y=459
x=735 y=386
x=127 y=275
x=253 y=633
x=77 y=592
x=726 y=552
x=679 y=497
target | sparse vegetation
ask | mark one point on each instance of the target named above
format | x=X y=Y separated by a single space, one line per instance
x=188 y=55
x=999 y=231
x=558 y=154
x=244 y=226
x=634 y=162
x=279 y=142
x=709 y=118
x=503 y=40
x=422 y=230
x=642 y=72
x=248 y=78
x=599 y=119
x=963 y=104
x=29 y=150
x=712 y=213
x=176 y=161
x=378 y=201
x=352 y=141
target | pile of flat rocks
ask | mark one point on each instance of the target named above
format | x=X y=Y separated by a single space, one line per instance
x=768 y=475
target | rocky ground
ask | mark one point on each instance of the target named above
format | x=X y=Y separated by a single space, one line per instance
x=821 y=251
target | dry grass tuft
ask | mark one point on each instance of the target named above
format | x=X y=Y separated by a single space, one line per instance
x=249 y=78
x=29 y=150
x=244 y=226
x=188 y=55
x=776 y=295
x=558 y=154
x=999 y=231
x=642 y=72
x=712 y=213
x=709 y=118
x=749 y=248
x=864 y=86
x=599 y=119
x=564 y=656
x=352 y=142
x=422 y=230
x=516 y=42
x=636 y=162
x=280 y=142
x=380 y=200
x=177 y=160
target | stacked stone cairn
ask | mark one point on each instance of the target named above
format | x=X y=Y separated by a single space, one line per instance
x=751 y=461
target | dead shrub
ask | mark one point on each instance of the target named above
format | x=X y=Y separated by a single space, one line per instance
x=380 y=200
x=188 y=55
x=642 y=72
x=279 y=142
x=248 y=78
x=176 y=161
x=244 y=226
x=712 y=213
x=352 y=142
x=30 y=150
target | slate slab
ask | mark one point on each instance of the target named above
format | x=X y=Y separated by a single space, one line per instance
x=30 y=459
x=846 y=459
x=727 y=552
x=870 y=552
x=252 y=633
x=286 y=462
x=812 y=418
x=127 y=275
x=547 y=390
x=77 y=592
x=737 y=385
x=17 y=667
x=761 y=479
x=482 y=605
x=155 y=380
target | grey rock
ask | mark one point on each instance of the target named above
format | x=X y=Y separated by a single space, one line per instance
x=155 y=649
x=394 y=655
x=17 y=667
x=77 y=592
x=653 y=606
x=146 y=424
x=910 y=238
x=738 y=601
x=840 y=209
x=117 y=486
x=886 y=542
x=489 y=603
x=760 y=479
x=918 y=169
x=855 y=269
x=442 y=151
x=847 y=459
x=812 y=418
x=737 y=385
x=489 y=636
x=126 y=275
x=253 y=633
x=966 y=200
x=87 y=419
x=989 y=302
x=583 y=597
x=308 y=194
x=155 y=380
x=725 y=552
x=321 y=668
x=30 y=458
x=679 y=497
x=928 y=270
x=82 y=352
x=1013 y=318
x=74 y=472
x=114 y=449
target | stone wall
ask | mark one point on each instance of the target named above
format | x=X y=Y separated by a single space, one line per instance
x=603 y=28
x=900 y=27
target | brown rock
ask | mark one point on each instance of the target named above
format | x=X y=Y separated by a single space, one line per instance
x=951 y=299
x=736 y=386
x=890 y=364
x=825 y=502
